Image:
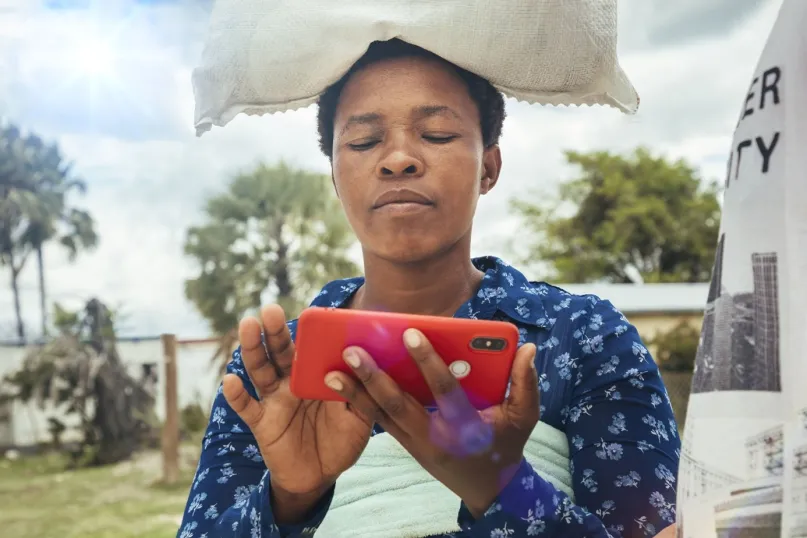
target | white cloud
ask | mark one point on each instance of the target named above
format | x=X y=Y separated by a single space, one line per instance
x=664 y=23
x=52 y=62
x=148 y=178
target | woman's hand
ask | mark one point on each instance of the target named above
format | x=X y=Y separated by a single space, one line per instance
x=305 y=445
x=475 y=454
x=669 y=532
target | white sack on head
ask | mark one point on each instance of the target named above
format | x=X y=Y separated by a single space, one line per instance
x=264 y=56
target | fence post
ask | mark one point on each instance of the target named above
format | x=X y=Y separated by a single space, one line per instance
x=170 y=433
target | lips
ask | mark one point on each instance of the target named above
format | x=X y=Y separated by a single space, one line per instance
x=401 y=196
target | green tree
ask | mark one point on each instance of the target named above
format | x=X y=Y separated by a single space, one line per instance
x=624 y=219
x=276 y=231
x=81 y=374
x=56 y=220
x=35 y=184
x=17 y=200
x=676 y=349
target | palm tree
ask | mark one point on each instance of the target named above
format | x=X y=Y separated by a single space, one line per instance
x=276 y=230
x=34 y=185
x=73 y=228
x=17 y=199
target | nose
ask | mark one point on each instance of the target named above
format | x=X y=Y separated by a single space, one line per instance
x=399 y=163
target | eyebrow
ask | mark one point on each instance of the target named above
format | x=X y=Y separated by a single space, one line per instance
x=420 y=112
x=434 y=110
x=361 y=119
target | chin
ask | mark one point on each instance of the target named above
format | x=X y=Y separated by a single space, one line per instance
x=412 y=251
x=403 y=256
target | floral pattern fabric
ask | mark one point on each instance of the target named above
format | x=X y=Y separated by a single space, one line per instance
x=598 y=384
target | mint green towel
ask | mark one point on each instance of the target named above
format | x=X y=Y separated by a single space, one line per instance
x=388 y=494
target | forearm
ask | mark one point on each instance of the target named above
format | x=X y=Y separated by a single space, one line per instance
x=270 y=513
x=232 y=494
x=292 y=509
x=530 y=506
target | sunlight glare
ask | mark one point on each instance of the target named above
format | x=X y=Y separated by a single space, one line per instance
x=94 y=59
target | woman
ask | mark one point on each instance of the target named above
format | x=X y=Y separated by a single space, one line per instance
x=413 y=142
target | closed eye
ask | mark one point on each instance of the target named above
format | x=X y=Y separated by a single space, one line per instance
x=439 y=139
x=363 y=146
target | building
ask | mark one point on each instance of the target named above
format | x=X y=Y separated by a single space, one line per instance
x=798 y=507
x=742 y=343
x=721 y=352
x=696 y=479
x=766 y=314
x=716 y=285
x=765 y=453
x=26 y=425
x=740 y=338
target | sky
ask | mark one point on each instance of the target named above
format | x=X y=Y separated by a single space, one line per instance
x=109 y=81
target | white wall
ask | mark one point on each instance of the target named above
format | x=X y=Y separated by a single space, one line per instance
x=197 y=381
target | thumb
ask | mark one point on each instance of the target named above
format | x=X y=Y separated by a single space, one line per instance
x=245 y=406
x=524 y=399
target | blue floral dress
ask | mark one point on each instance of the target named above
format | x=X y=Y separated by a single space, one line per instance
x=598 y=384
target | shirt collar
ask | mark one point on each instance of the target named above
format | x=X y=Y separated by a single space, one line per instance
x=504 y=290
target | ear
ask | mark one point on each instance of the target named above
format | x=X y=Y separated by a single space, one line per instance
x=491 y=168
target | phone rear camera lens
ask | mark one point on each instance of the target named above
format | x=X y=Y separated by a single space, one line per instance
x=488 y=344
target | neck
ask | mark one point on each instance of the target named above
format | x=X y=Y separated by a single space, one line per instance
x=436 y=287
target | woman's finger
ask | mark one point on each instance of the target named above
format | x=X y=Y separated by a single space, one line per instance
x=261 y=371
x=387 y=395
x=244 y=405
x=668 y=532
x=441 y=434
x=449 y=395
x=361 y=404
x=278 y=338
x=523 y=403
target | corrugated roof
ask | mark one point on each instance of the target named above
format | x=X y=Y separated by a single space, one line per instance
x=647 y=298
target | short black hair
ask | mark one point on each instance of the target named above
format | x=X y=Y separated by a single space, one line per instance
x=488 y=99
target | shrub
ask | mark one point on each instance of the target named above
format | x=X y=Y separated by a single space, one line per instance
x=676 y=349
x=192 y=419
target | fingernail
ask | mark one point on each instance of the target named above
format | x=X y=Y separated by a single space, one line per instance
x=334 y=383
x=352 y=358
x=411 y=338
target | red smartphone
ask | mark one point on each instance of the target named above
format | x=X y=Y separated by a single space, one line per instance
x=479 y=353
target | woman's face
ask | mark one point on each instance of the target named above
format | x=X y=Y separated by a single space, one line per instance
x=409 y=162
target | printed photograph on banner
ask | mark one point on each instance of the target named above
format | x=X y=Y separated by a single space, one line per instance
x=739 y=347
x=743 y=471
x=795 y=504
x=730 y=478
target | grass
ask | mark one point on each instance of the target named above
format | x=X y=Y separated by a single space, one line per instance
x=39 y=499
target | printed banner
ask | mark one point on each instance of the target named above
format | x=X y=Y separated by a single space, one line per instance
x=744 y=458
